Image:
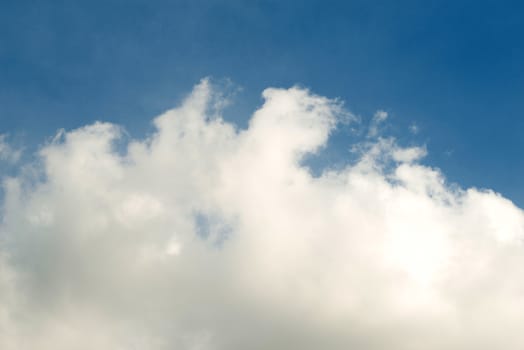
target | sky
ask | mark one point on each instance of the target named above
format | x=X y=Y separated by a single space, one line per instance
x=261 y=174
x=452 y=68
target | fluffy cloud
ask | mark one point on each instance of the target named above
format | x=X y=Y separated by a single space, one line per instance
x=203 y=236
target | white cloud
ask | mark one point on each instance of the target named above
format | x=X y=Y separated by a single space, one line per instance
x=414 y=128
x=379 y=118
x=203 y=236
x=7 y=153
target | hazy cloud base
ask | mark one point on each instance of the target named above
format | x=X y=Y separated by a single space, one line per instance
x=203 y=236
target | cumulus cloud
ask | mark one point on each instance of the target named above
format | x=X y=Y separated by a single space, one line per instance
x=204 y=236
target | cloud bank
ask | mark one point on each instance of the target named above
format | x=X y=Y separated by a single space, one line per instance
x=203 y=236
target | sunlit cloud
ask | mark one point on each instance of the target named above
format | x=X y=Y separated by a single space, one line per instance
x=207 y=236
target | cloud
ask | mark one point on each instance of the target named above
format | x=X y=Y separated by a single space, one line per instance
x=414 y=128
x=7 y=153
x=379 y=118
x=204 y=236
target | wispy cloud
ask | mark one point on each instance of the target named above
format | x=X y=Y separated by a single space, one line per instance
x=378 y=119
x=414 y=128
x=8 y=153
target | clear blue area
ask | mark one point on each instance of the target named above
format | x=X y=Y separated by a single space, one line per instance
x=455 y=68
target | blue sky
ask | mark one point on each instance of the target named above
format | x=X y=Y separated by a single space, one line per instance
x=453 y=68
